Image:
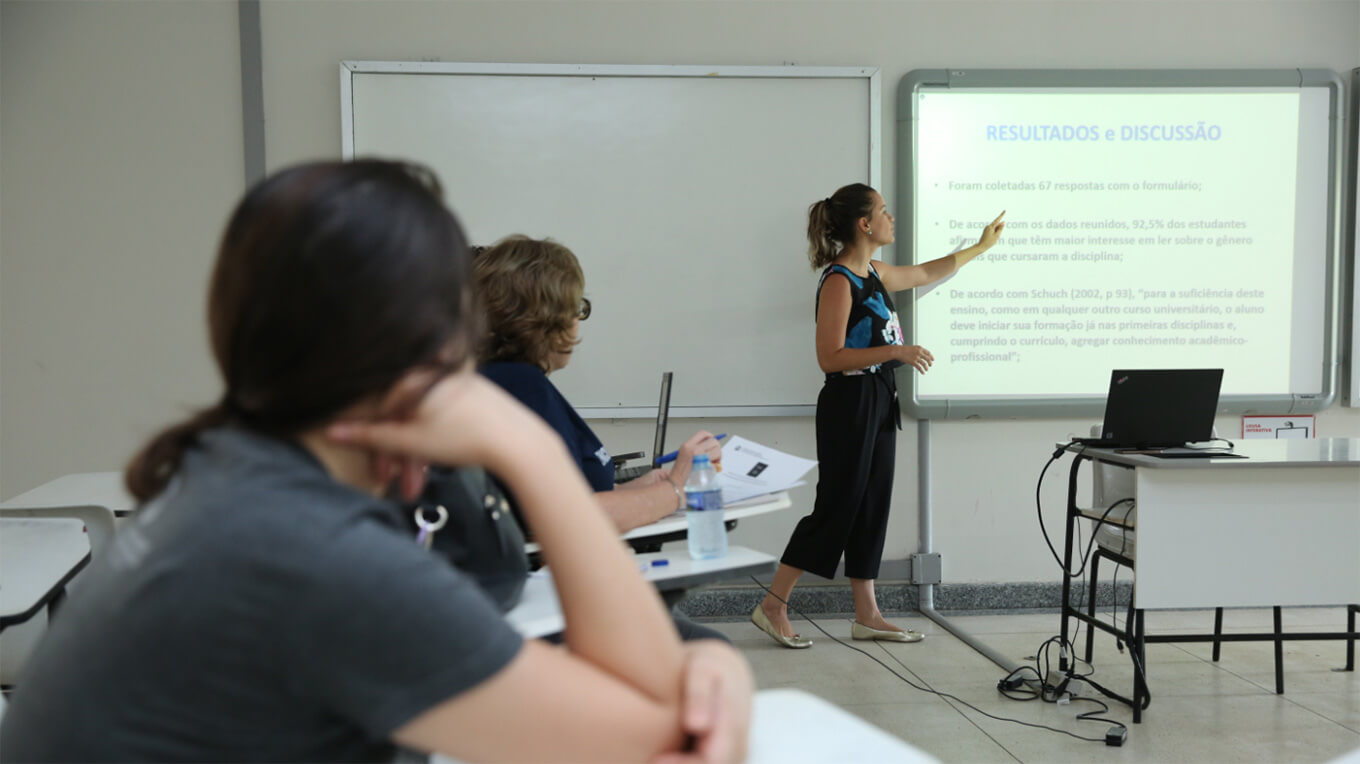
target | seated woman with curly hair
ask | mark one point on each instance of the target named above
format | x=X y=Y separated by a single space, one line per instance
x=532 y=291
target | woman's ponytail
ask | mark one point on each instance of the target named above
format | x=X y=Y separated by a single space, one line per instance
x=831 y=222
x=151 y=469
x=821 y=249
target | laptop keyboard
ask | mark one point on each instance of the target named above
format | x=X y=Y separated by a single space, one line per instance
x=624 y=474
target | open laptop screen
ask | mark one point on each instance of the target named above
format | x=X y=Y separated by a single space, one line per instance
x=1156 y=408
x=663 y=410
x=622 y=474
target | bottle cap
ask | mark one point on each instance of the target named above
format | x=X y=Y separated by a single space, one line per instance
x=701 y=458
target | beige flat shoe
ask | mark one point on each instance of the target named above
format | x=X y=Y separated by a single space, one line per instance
x=860 y=631
x=761 y=620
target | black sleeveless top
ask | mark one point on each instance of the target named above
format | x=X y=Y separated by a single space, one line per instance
x=873 y=318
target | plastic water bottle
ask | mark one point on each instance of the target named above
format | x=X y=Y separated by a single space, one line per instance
x=703 y=500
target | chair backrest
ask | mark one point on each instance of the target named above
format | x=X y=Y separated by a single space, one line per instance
x=1110 y=483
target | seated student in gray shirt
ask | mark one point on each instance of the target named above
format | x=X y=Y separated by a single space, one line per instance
x=267 y=604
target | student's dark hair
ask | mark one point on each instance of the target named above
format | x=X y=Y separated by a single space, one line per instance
x=332 y=281
x=831 y=222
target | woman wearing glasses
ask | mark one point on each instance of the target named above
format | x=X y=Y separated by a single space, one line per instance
x=532 y=291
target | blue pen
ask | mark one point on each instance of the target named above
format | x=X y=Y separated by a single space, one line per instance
x=668 y=458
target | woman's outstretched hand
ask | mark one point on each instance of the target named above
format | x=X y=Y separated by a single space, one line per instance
x=992 y=231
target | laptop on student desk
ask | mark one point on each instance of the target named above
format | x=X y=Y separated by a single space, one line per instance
x=623 y=474
x=1160 y=411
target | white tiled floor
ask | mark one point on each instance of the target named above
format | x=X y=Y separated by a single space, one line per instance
x=1200 y=712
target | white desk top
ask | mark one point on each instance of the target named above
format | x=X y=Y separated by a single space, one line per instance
x=539 y=613
x=103 y=489
x=36 y=556
x=792 y=726
x=1302 y=452
x=676 y=522
x=796 y=726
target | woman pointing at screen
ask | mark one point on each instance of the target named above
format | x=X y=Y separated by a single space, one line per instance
x=859 y=343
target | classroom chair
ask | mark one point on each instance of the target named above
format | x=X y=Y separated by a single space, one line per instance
x=22 y=632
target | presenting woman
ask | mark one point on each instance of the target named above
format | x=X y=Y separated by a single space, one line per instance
x=859 y=343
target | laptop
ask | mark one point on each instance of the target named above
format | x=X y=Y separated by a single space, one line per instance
x=1149 y=409
x=623 y=474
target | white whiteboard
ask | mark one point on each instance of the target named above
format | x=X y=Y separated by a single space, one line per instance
x=682 y=190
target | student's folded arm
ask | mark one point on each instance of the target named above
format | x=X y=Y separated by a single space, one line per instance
x=614 y=618
x=548 y=705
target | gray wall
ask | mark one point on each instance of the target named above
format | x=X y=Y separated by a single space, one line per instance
x=120 y=155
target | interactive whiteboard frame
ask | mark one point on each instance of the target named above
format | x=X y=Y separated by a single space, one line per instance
x=1351 y=321
x=1000 y=79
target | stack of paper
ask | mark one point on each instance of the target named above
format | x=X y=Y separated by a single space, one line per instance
x=750 y=469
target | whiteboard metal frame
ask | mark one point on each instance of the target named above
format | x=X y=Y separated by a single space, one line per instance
x=870 y=75
x=1350 y=323
x=1094 y=405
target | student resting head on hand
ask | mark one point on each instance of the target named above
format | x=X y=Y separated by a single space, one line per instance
x=268 y=602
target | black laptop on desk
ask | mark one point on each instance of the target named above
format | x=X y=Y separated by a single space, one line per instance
x=1159 y=411
x=623 y=474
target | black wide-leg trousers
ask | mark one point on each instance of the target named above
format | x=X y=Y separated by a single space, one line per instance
x=857 y=423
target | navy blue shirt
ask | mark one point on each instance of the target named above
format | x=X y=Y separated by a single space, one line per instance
x=530 y=386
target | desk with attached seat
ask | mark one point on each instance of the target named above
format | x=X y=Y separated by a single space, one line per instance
x=48 y=536
x=673 y=527
x=99 y=489
x=38 y=557
x=539 y=613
